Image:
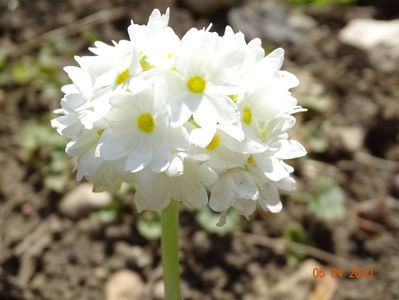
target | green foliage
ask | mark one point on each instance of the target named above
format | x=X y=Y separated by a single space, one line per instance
x=40 y=144
x=35 y=136
x=208 y=220
x=3 y=62
x=149 y=225
x=296 y=233
x=322 y=2
x=319 y=104
x=110 y=213
x=114 y=210
x=90 y=36
x=268 y=47
x=317 y=142
x=42 y=73
x=24 y=70
x=328 y=200
x=55 y=177
x=4 y=77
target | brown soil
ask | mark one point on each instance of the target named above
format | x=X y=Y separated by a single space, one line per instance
x=44 y=255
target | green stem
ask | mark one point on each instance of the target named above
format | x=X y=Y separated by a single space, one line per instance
x=170 y=251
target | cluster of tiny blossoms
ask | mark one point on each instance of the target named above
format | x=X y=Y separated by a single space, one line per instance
x=202 y=119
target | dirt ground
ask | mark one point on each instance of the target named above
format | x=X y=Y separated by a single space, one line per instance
x=354 y=142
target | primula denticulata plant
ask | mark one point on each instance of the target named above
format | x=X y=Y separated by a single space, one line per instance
x=198 y=120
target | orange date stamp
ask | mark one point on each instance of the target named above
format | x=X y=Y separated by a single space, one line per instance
x=352 y=273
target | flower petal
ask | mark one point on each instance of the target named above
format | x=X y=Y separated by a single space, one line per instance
x=179 y=138
x=180 y=111
x=227 y=110
x=80 y=79
x=270 y=166
x=139 y=157
x=115 y=145
x=155 y=201
x=269 y=198
x=289 y=149
x=205 y=114
x=88 y=164
x=245 y=207
x=72 y=101
x=193 y=192
x=202 y=136
x=161 y=156
x=222 y=196
x=286 y=184
x=244 y=186
x=176 y=166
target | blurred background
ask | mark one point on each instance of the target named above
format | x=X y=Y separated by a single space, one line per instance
x=337 y=237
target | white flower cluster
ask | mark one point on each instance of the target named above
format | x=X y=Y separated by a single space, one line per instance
x=201 y=119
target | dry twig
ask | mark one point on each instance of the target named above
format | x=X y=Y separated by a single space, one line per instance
x=102 y=16
x=281 y=246
x=376 y=162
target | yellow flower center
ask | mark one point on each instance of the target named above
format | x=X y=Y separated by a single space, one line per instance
x=196 y=84
x=247 y=115
x=250 y=160
x=234 y=98
x=214 y=143
x=146 y=123
x=100 y=132
x=123 y=76
x=263 y=134
x=145 y=65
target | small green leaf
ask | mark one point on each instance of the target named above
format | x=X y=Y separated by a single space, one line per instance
x=105 y=216
x=34 y=136
x=58 y=162
x=296 y=233
x=109 y=213
x=318 y=104
x=149 y=226
x=56 y=182
x=24 y=70
x=50 y=90
x=208 y=220
x=3 y=62
x=316 y=140
x=328 y=200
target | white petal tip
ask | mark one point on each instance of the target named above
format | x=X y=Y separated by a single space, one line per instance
x=275 y=208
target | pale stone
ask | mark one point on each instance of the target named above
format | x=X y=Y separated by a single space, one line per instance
x=378 y=39
x=124 y=285
x=82 y=200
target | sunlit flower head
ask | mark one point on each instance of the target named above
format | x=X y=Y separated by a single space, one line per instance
x=204 y=119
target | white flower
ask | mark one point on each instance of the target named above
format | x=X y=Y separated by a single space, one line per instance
x=69 y=123
x=156 y=42
x=204 y=116
x=90 y=164
x=253 y=51
x=113 y=66
x=262 y=174
x=235 y=188
x=82 y=122
x=266 y=96
x=203 y=81
x=243 y=188
x=220 y=156
x=140 y=130
x=155 y=190
x=270 y=162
